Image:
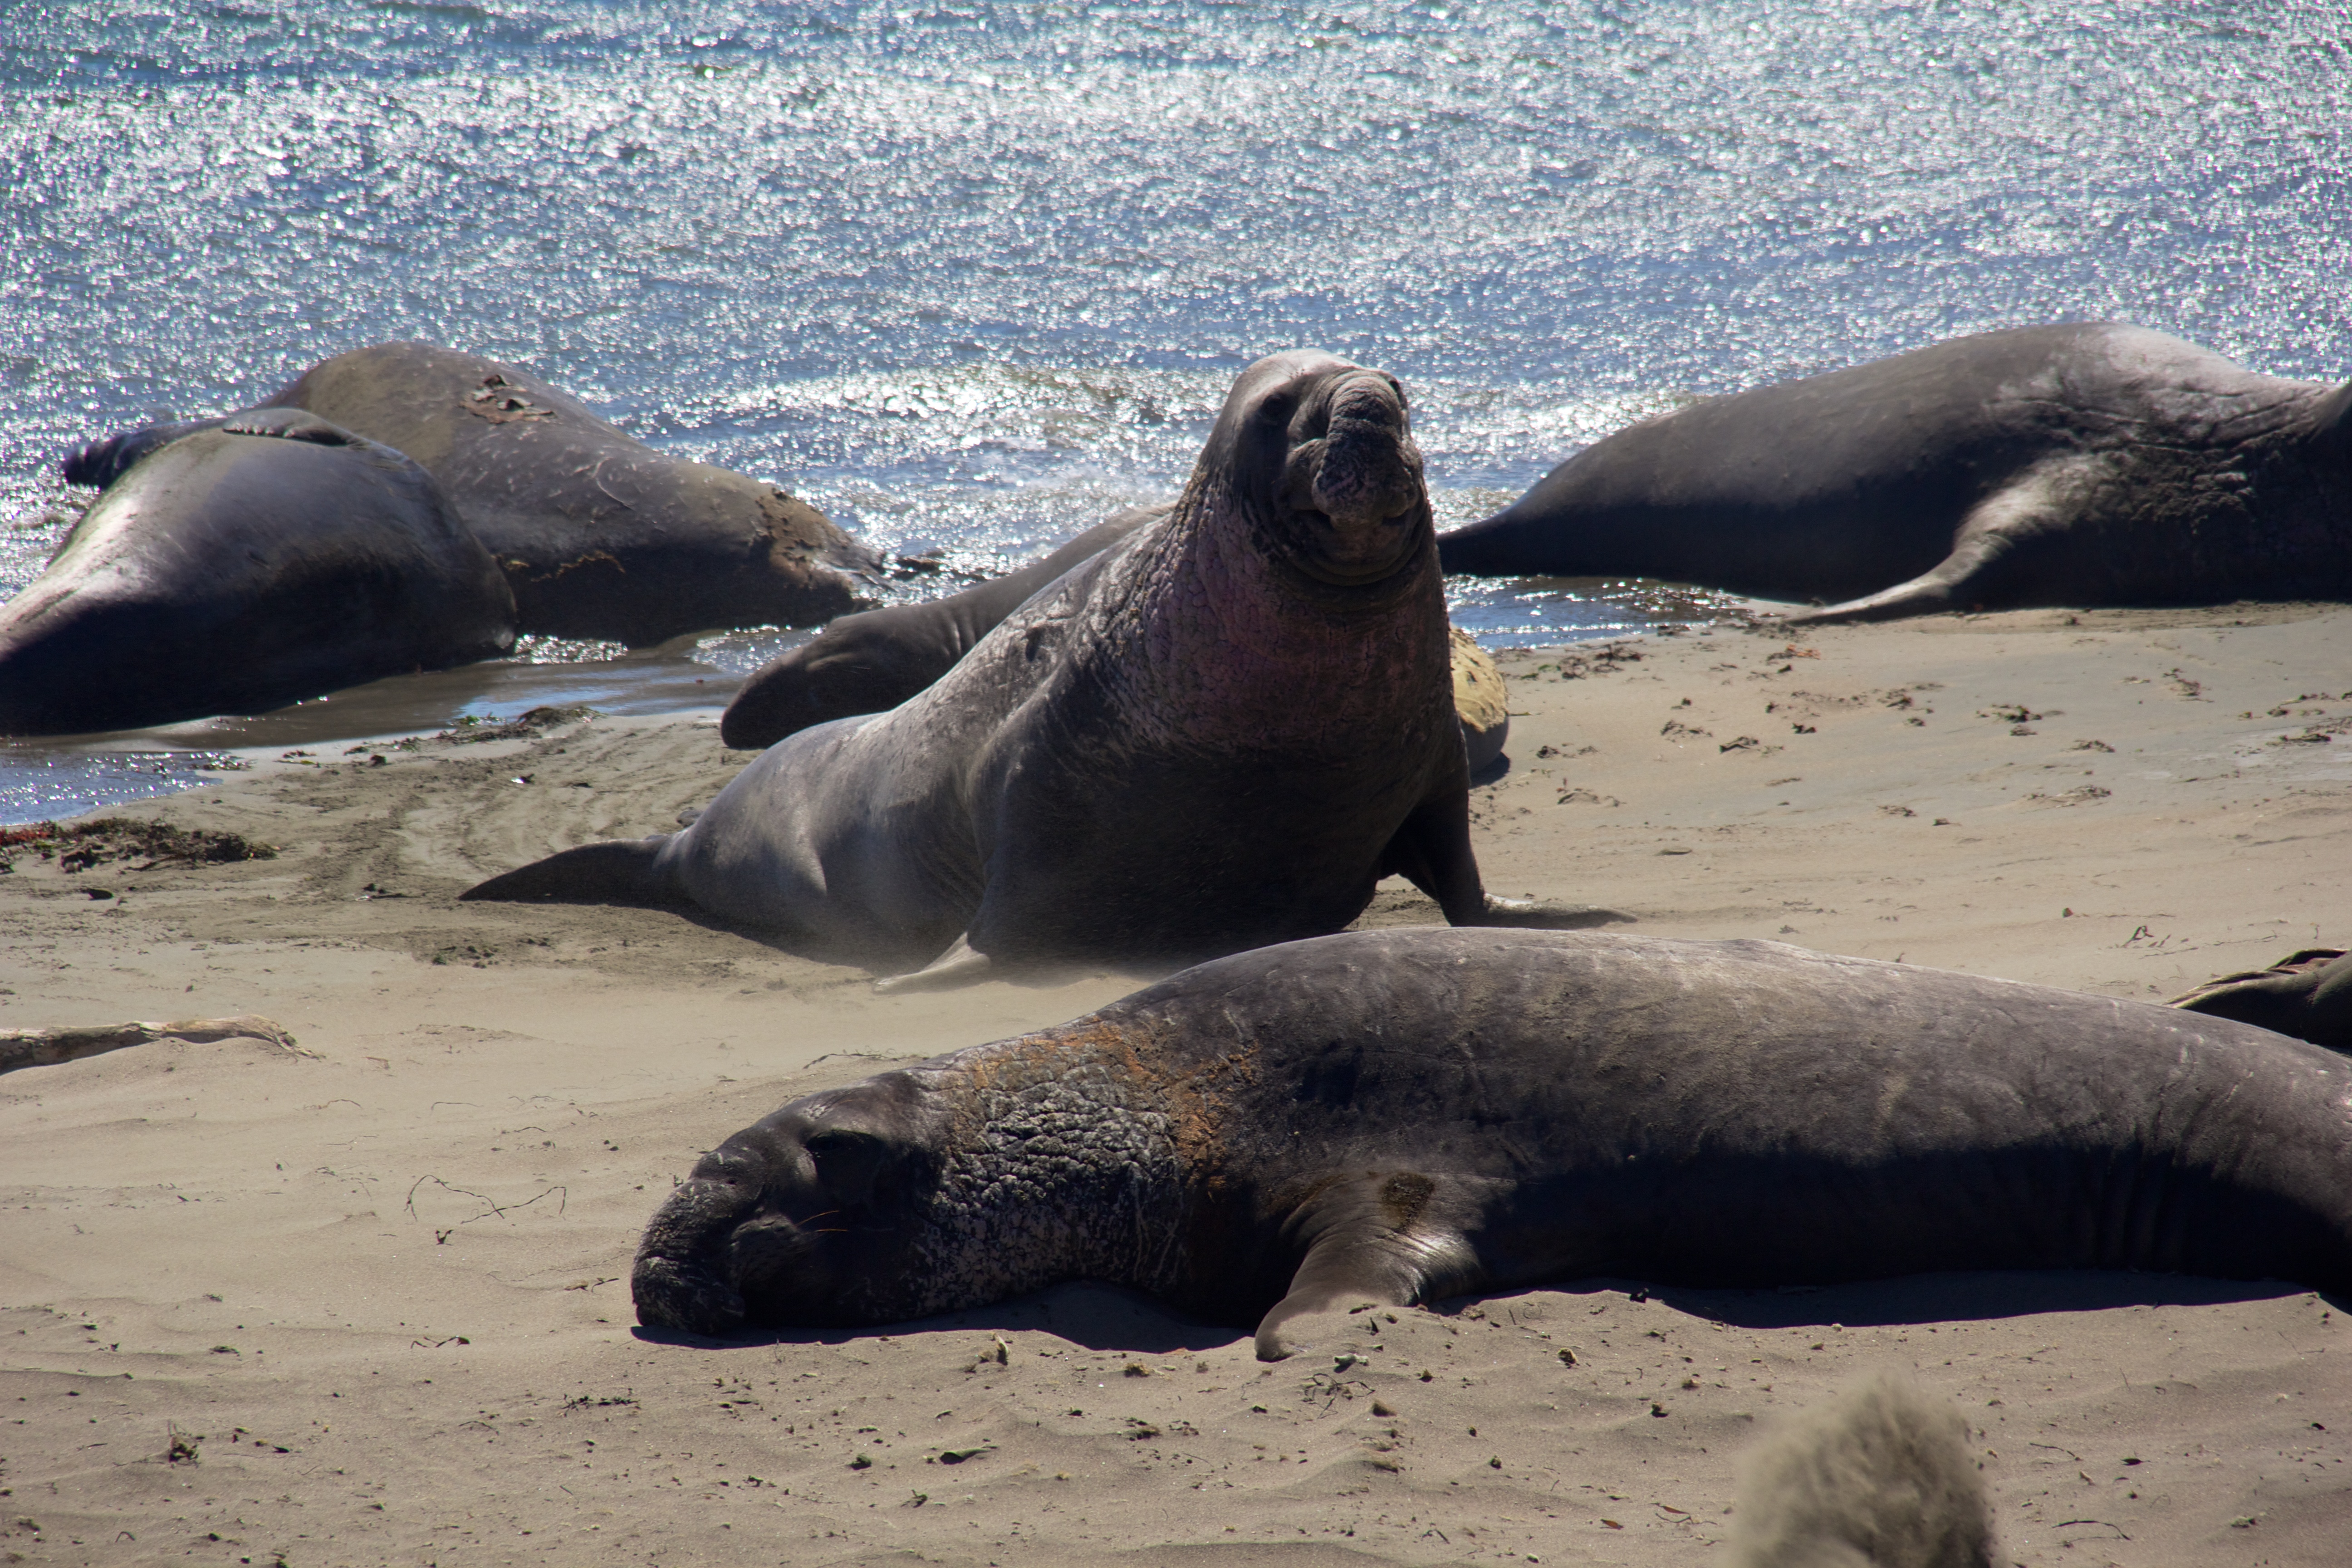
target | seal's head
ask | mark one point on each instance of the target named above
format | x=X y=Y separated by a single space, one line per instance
x=1319 y=453
x=802 y=1218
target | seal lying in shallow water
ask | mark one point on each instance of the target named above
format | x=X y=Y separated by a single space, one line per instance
x=600 y=535
x=1219 y=733
x=2088 y=464
x=256 y=562
x=1394 y=1116
x=873 y=660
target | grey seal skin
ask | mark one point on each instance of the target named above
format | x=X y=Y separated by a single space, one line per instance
x=248 y=565
x=2080 y=465
x=1399 y=1115
x=1218 y=733
x=872 y=662
x=600 y=535
x=875 y=659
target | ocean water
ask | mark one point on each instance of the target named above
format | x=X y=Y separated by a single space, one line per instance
x=972 y=276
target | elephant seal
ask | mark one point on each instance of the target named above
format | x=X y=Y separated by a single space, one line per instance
x=2083 y=465
x=2307 y=995
x=599 y=534
x=1398 y=1115
x=873 y=660
x=250 y=563
x=1218 y=733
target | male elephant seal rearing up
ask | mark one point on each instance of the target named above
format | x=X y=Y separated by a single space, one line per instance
x=872 y=662
x=875 y=659
x=1218 y=733
x=1394 y=1116
x=2088 y=464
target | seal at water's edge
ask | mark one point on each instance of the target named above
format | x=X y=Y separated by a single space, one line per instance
x=600 y=535
x=2081 y=465
x=256 y=562
x=1218 y=733
x=1399 y=1115
x=873 y=660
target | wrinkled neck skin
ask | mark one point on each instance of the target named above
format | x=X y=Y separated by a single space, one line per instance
x=1214 y=632
x=2200 y=437
x=1067 y=1157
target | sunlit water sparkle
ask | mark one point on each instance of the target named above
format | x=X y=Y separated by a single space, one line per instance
x=970 y=277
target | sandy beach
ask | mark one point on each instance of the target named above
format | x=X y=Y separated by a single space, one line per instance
x=364 y=1299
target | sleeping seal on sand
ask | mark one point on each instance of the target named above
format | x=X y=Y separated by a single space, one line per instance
x=251 y=564
x=875 y=659
x=600 y=535
x=1218 y=733
x=2089 y=464
x=1394 y=1116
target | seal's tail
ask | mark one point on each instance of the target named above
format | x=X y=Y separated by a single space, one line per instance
x=618 y=871
x=1879 y=1478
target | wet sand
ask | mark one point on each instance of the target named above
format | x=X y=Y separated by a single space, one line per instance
x=377 y=1296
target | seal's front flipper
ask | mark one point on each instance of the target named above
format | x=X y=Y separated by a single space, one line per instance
x=619 y=871
x=1957 y=584
x=1987 y=567
x=1944 y=588
x=1379 y=1239
x=2307 y=995
x=1432 y=851
x=961 y=964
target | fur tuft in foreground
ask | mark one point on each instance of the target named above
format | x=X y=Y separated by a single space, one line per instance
x=1878 y=1478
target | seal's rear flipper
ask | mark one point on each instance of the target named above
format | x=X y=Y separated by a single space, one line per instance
x=1377 y=1241
x=2307 y=995
x=100 y=463
x=618 y=871
x=961 y=964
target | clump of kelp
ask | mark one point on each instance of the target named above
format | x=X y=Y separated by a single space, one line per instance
x=79 y=845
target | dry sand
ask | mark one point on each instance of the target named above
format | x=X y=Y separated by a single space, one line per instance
x=377 y=1298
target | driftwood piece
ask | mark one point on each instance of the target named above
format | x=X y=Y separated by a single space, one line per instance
x=45 y=1048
